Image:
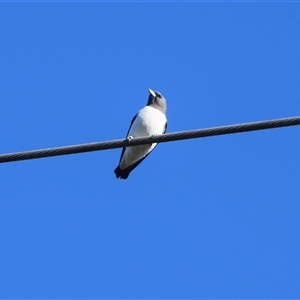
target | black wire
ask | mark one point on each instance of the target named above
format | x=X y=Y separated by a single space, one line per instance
x=168 y=137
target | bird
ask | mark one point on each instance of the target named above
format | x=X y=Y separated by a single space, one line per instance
x=150 y=120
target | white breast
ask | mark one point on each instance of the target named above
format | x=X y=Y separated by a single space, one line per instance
x=149 y=121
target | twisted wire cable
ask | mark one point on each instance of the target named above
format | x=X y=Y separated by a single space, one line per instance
x=168 y=137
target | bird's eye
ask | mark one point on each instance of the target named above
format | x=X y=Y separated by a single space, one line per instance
x=158 y=95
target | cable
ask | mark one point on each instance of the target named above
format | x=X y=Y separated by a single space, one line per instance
x=168 y=137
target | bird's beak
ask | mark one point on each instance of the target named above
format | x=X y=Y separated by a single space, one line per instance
x=151 y=92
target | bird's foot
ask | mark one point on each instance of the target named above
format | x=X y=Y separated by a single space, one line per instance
x=129 y=138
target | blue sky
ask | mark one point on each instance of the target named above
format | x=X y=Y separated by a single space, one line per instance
x=205 y=218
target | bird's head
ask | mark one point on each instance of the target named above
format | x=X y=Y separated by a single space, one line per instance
x=156 y=100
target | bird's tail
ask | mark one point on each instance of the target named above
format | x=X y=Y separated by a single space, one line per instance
x=123 y=174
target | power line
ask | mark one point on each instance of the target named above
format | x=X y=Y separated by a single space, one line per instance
x=168 y=137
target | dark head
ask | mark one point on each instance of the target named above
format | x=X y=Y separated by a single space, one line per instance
x=156 y=100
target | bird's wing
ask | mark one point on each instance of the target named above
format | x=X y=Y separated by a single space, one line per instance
x=123 y=150
x=133 y=166
x=166 y=125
